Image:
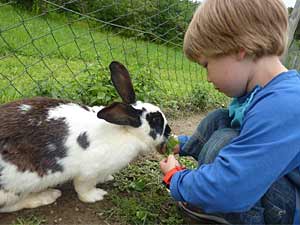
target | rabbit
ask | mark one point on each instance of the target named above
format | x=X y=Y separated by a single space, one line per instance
x=45 y=142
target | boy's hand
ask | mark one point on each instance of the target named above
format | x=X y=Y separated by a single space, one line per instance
x=176 y=149
x=168 y=163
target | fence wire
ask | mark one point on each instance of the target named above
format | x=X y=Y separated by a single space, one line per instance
x=62 y=49
x=293 y=60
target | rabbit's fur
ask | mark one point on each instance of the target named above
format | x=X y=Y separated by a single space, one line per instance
x=45 y=142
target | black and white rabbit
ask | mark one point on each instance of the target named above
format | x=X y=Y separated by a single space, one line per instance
x=45 y=142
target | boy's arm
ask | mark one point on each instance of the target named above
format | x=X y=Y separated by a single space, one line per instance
x=245 y=169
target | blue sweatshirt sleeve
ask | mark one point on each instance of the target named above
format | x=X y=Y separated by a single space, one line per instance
x=244 y=170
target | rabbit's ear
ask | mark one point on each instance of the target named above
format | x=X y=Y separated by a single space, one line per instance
x=122 y=82
x=121 y=114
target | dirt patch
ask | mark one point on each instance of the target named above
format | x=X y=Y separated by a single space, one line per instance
x=69 y=210
x=185 y=125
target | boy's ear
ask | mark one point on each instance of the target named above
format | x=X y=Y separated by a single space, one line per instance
x=121 y=114
x=241 y=54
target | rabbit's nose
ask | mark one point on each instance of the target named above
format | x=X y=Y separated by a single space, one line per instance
x=161 y=148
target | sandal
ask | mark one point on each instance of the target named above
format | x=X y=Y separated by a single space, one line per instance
x=199 y=216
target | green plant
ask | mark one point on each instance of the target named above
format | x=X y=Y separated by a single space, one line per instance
x=96 y=90
x=200 y=97
x=30 y=220
x=172 y=142
x=146 y=85
x=204 y=97
x=47 y=88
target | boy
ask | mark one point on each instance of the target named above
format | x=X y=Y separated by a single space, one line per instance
x=249 y=155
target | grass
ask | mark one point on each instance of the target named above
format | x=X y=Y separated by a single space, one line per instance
x=30 y=220
x=60 y=50
x=147 y=200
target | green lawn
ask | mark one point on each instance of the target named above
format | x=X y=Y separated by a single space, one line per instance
x=60 y=51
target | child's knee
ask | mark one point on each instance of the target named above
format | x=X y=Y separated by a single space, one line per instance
x=218 y=113
x=216 y=119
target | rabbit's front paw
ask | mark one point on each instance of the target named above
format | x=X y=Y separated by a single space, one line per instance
x=109 y=178
x=93 y=195
x=105 y=179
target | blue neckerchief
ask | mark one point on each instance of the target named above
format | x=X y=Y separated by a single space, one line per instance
x=238 y=107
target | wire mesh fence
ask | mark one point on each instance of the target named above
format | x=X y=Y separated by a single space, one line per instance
x=62 y=49
x=293 y=60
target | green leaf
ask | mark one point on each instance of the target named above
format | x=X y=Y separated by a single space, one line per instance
x=172 y=142
x=138 y=185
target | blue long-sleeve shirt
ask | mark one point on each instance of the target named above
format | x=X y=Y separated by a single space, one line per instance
x=267 y=148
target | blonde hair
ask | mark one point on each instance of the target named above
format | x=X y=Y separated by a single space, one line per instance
x=222 y=27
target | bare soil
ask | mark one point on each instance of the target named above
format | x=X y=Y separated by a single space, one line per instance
x=69 y=210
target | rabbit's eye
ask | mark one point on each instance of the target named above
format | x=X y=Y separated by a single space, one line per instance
x=156 y=123
x=157 y=120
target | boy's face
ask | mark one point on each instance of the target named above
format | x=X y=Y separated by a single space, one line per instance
x=229 y=74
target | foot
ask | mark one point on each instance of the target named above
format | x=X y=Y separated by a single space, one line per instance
x=42 y=198
x=34 y=200
x=101 y=180
x=94 y=195
x=109 y=178
x=194 y=214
